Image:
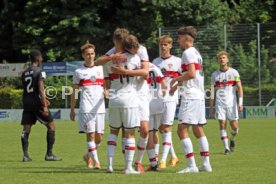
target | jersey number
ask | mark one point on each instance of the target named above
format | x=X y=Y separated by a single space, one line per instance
x=200 y=62
x=29 y=81
x=124 y=76
x=153 y=78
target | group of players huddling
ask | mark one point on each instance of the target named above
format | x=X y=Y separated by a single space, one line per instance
x=143 y=95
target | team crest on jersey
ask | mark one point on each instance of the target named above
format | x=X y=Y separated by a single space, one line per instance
x=98 y=73
x=229 y=77
x=170 y=65
x=93 y=78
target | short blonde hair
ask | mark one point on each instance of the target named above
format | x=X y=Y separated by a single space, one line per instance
x=165 y=38
x=87 y=45
x=222 y=53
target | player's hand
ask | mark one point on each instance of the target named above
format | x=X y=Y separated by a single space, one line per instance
x=72 y=115
x=164 y=91
x=118 y=58
x=212 y=112
x=172 y=83
x=48 y=103
x=45 y=111
x=240 y=108
x=106 y=94
x=118 y=70
x=172 y=90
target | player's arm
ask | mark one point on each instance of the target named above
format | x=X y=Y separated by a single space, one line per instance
x=163 y=87
x=190 y=74
x=106 y=87
x=240 y=94
x=107 y=58
x=212 y=101
x=73 y=101
x=174 y=88
x=102 y=60
x=45 y=103
x=143 y=72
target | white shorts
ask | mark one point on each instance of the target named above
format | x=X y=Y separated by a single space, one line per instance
x=227 y=113
x=91 y=122
x=155 y=121
x=192 y=112
x=143 y=105
x=156 y=107
x=169 y=113
x=123 y=117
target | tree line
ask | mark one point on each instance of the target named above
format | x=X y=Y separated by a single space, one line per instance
x=59 y=27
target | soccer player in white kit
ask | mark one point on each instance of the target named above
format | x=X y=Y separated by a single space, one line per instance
x=143 y=91
x=157 y=85
x=192 y=108
x=89 y=79
x=224 y=83
x=123 y=108
x=171 y=67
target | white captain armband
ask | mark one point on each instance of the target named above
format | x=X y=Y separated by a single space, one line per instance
x=240 y=101
x=43 y=75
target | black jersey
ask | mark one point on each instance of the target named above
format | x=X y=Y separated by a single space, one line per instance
x=30 y=80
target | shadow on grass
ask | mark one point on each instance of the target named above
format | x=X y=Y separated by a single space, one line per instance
x=71 y=170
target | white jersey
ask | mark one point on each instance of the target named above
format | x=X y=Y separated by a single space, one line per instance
x=90 y=81
x=225 y=85
x=142 y=86
x=171 y=68
x=193 y=88
x=123 y=92
x=156 y=95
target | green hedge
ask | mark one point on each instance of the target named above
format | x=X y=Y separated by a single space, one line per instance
x=11 y=98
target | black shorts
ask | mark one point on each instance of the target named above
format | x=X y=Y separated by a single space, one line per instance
x=30 y=117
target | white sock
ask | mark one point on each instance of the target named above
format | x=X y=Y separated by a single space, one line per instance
x=92 y=151
x=204 y=150
x=156 y=149
x=111 y=147
x=152 y=157
x=129 y=152
x=141 y=146
x=172 y=151
x=167 y=138
x=224 y=138
x=187 y=147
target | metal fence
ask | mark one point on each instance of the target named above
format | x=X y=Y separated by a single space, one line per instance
x=252 y=50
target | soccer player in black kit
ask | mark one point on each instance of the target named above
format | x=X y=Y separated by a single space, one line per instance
x=35 y=106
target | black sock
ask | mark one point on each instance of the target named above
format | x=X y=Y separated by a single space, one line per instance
x=50 y=141
x=25 y=143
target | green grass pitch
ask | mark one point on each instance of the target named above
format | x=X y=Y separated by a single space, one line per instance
x=254 y=160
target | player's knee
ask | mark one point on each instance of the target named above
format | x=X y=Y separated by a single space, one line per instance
x=235 y=131
x=98 y=138
x=51 y=126
x=161 y=130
